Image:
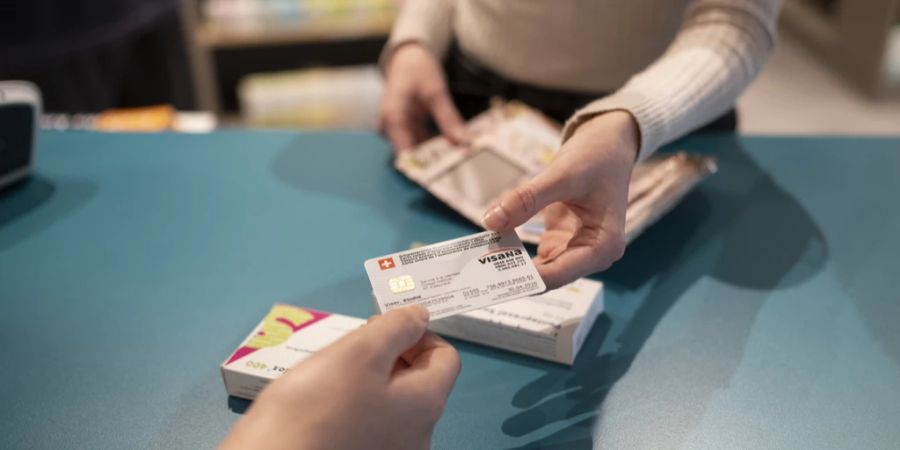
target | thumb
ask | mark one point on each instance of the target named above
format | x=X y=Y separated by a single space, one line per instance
x=395 y=332
x=515 y=207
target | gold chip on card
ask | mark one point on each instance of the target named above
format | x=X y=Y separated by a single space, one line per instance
x=402 y=283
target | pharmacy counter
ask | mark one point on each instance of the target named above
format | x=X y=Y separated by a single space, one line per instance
x=763 y=312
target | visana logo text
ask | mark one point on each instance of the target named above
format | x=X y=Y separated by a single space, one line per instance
x=500 y=256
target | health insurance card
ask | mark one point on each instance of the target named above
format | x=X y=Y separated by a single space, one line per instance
x=455 y=276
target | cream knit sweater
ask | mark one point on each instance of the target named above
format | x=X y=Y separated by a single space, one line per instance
x=675 y=65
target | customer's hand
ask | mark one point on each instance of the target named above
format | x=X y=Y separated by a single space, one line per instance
x=381 y=387
x=415 y=91
x=584 y=194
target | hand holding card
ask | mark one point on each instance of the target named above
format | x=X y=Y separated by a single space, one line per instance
x=386 y=382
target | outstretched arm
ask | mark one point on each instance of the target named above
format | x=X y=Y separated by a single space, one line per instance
x=721 y=47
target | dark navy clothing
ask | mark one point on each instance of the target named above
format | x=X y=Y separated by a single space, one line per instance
x=90 y=55
x=35 y=31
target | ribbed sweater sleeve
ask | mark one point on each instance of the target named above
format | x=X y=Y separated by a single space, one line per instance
x=718 y=51
x=428 y=22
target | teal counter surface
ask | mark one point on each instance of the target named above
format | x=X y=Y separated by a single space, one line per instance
x=762 y=312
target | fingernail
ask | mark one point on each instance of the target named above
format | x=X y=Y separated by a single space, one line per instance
x=495 y=218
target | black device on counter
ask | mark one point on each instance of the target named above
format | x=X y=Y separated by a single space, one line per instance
x=20 y=112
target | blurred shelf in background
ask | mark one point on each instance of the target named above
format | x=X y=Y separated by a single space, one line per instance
x=232 y=39
x=231 y=23
x=323 y=98
x=219 y=36
x=858 y=39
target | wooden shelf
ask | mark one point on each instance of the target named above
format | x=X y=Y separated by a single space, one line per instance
x=214 y=46
x=810 y=21
x=850 y=36
x=219 y=36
